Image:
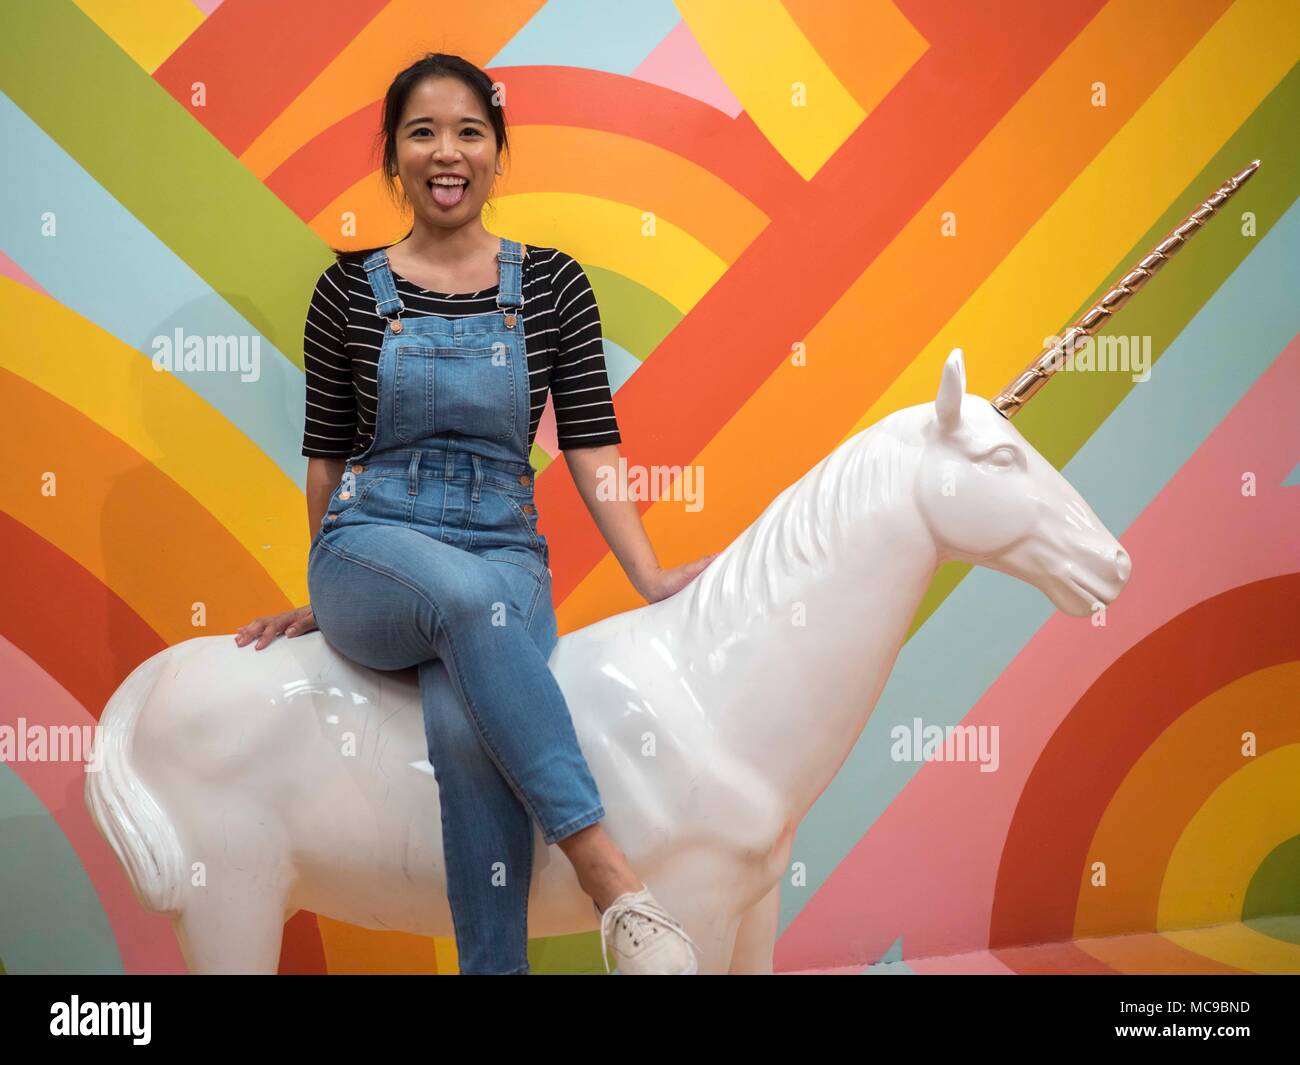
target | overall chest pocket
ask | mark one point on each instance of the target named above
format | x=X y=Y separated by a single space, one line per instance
x=461 y=390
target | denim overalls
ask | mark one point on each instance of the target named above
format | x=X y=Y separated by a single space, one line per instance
x=429 y=555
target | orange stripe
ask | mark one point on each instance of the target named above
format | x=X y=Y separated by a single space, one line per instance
x=868 y=44
x=1143 y=822
x=340 y=155
x=820 y=236
x=134 y=529
x=910 y=290
x=587 y=162
x=45 y=595
x=360 y=73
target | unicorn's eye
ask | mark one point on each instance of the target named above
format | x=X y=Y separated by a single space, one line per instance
x=1003 y=457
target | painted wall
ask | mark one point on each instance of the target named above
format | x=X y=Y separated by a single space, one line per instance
x=790 y=212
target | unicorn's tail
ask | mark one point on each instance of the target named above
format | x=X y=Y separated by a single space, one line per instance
x=126 y=813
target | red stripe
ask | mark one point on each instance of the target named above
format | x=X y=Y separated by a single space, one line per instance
x=84 y=636
x=66 y=620
x=256 y=58
x=823 y=237
x=1214 y=643
x=732 y=149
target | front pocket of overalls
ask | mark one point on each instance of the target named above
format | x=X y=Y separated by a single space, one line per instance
x=500 y=521
x=469 y=391
x=527 y=522
x=357 y=488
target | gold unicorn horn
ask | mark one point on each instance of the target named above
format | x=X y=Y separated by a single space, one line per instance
x=1012 y=398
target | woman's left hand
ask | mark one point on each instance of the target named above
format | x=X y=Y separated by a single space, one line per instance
x=665 y=582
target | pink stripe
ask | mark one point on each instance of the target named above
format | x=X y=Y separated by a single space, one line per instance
x=678 y=63
x=977 y=963
x=11 y=270
x=547 y=437
x=145 y=940
x=927 y=868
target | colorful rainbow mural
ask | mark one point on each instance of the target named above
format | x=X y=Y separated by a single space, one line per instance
x=132 y=204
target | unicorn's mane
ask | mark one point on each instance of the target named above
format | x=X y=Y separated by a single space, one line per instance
x=802 y=528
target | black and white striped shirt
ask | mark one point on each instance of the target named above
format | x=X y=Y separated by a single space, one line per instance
x=562 y=335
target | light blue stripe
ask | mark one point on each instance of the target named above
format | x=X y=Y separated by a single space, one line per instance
x=620 y=364
x=891 y=963
x=51 y=919
x=988 y=619
x=592 y=34
x=108 y=268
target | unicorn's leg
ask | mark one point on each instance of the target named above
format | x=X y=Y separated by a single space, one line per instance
x=756 y=938
x=714 y=936
x=696 y=886
x=233 y=926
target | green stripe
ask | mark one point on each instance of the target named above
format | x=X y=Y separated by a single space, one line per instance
x=156 y=158
x=643 y=317
x=1274 y=892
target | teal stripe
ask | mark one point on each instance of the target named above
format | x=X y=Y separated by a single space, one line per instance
x=149 y=153
x=620 y=364
x=891 y=963
x=592 y=34
x=111 y=270
x=51 y=920
x=989 y=618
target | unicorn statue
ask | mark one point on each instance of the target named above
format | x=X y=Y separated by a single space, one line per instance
x=222 y=789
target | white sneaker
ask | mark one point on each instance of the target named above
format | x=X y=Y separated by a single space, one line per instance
x=646 y=940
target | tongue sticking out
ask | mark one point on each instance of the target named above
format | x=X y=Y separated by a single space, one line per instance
x=448 y=195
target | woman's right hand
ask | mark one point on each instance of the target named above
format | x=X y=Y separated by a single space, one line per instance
x=264 y=630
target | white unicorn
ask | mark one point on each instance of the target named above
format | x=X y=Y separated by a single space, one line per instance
x=712 y=720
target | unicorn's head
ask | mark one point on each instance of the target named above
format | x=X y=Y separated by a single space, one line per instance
x=989 y=498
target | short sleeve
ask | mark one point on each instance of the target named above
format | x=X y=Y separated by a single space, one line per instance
x=331 y=413
x=584 y=404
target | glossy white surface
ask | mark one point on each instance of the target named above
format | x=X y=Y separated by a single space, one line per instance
x=240 y=786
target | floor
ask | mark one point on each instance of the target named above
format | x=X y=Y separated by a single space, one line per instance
x=1269 y=945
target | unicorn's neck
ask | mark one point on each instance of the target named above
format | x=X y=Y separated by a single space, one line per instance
x=797 y=624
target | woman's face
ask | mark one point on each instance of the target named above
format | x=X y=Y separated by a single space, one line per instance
x=445 y=130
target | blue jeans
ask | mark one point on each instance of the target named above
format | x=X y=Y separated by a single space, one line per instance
x=430 y=558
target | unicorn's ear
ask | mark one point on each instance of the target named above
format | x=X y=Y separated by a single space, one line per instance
x=952 y=386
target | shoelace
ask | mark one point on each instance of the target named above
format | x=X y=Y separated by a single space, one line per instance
x=639 y=917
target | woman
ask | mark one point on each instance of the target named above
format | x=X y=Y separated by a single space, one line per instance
x=427 y=368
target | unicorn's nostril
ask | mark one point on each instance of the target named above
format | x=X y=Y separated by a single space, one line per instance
x=1123 y=564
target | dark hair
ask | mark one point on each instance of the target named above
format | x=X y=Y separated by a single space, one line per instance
x=431 y=65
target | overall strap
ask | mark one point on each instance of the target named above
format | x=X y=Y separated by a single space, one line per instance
x=510 y=292
x=387 y=301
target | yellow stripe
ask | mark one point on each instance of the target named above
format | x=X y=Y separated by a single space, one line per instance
x=783 y=83
x=654 y=253
x=1245 y=819
x=148 y=33
x=614 y=236
x=152 y=412
x=1180 y=769
x=1041 y=283
x=1241 y=946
